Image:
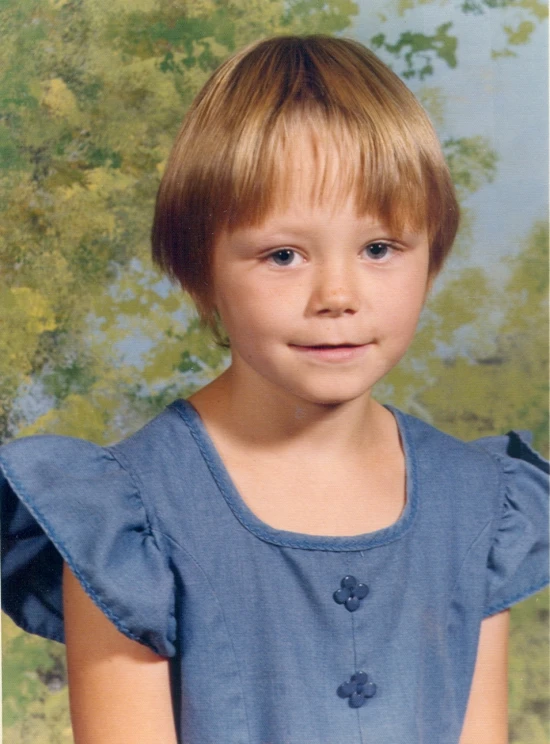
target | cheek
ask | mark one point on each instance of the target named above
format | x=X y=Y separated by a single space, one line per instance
x=403 y=307
x=249 y=313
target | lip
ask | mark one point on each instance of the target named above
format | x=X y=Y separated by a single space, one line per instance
x=332 y=352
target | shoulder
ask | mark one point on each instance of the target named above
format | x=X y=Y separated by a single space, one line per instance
x=45 y=460
x=449 y=457
x=491 y=453
x=483 y=476
x=170 y=437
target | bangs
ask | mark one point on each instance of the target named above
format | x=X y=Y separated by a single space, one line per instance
x=334 y=161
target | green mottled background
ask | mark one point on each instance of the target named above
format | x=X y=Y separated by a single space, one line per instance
x=93 y=342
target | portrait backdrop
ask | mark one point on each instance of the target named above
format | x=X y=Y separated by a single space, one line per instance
x=93 y=341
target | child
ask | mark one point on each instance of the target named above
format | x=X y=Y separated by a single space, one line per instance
x=281 y=559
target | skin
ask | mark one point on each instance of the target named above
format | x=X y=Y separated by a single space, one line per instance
x=119 y=690
x=294 y=422
x=486 y=719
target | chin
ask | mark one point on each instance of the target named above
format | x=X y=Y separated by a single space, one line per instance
x=324 y=387
x=333 y=396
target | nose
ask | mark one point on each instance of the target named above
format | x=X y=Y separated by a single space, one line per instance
x=334 y=290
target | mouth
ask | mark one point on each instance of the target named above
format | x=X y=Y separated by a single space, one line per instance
x=341 y=352
x=343 y=345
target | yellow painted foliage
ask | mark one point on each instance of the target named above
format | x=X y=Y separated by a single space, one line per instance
x=47 y=721
x=58 y=100
x=26 y=315
x=77 y=417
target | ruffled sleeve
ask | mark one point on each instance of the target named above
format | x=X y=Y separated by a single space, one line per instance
x=517 y=563
x=68 y=499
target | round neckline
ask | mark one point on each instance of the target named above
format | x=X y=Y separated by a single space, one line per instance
x=285 y=538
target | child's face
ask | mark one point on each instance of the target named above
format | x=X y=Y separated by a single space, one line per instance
x=318 y=302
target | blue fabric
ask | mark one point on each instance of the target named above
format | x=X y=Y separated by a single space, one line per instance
x=264 y=646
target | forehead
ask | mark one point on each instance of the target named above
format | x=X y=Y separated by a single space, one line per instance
x=319 y=170
x=311 y=172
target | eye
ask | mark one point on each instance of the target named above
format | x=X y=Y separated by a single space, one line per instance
x=285 y=257
x=378 y=250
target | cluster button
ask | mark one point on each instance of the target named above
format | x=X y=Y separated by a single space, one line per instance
x=350 y=593
x=358 y=689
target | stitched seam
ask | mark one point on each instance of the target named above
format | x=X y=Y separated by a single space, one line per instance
x=120 y=459
x=452 y=593
x=353 y=545
x=213 y=472
x=220 y=605
x=354 y=639
x=493 y=519
x=503 y=475
x=505 y=604
x=21 y=492
x=466 y=556
x=501 y=489
x=136 y=481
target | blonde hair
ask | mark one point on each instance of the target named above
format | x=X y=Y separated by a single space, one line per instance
x=233 y=155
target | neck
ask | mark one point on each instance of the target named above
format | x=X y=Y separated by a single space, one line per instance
x=263 y=416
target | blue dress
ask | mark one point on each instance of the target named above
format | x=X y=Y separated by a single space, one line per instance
x=277 y=637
